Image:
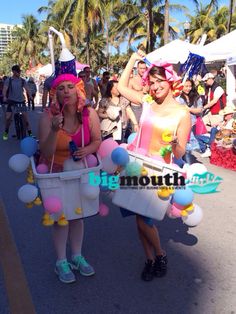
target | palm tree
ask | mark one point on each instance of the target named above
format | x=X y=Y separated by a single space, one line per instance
x=231 y=6
x=81 y=17
x=28 y=40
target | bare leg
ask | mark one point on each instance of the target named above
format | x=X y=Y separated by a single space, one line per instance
x=152 y=236
x=8 y=121
x=60 y=236
x=76 y=235
x=148 y=248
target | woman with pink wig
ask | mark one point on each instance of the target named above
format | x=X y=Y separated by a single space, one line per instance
x=66 y=120
x=162 y=114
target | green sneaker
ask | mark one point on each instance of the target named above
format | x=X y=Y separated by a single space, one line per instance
x=63 y=270
x=79 y=263
x=5 y=136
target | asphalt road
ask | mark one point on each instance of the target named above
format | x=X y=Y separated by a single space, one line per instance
x=202 y=260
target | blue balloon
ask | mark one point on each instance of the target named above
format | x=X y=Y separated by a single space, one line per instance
x=120 y=156
x=131 y=138
x=28 y=146
x=183 y=197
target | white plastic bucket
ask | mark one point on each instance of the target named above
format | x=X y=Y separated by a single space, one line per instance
x=145 y=201
x=67 y=187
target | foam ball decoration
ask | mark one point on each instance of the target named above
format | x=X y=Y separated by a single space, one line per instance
x=70 y=164
x=91 y=160
x=52 y=204
x=131 y=138
x=183 y=197
x=194 y=218
x=42 y=168
x=28 y=146
x=27 y=193
x=195 y=168
x=133 y=169
x=106 y=147
x=108 y=165
x=89 y=191
x=103 y=210
x=120 y=156
x=19 y=162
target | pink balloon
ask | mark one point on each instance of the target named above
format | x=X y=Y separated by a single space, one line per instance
x=42 y=168
x=107 y=147
x=108 y=165
x=91 y=161
x=175 y=211
x=103 y=210
x=52 y=204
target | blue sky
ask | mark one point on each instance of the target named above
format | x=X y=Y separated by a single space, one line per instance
x=11 y=11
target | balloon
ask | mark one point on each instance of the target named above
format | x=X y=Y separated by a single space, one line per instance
x=103 y=210
x=107 y=147
x=195 y=168
x=19 y=162
x=42 y=168
x=91 y=160
x=133 y=169
x=89 y=191
x=131 y=138
x=70 y=164
x=27 y=193
x=29 y=146
x=52 y=204
x=108 y=165
x=183 y=197
x=120 y=156
x=194 y=218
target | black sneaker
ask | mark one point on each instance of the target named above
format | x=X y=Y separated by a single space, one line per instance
x=160 y=266
x=147 y=273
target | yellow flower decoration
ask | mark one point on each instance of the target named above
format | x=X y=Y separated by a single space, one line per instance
x=148 y=99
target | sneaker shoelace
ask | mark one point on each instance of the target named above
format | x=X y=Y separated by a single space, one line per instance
x=82 y=261
x=65 y=267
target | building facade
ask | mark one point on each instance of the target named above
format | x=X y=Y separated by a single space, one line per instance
x=5 y=37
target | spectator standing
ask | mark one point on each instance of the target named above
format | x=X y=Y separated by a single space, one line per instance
x=13 y=94
x=32 y=89
x=103 y=83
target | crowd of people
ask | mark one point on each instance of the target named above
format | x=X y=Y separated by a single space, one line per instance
x=114 y=107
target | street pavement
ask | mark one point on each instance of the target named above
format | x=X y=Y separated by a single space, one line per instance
x=201 y=274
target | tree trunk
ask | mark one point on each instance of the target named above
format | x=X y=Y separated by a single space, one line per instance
x=166 y=23
x=150 y=26
x=107 y=45
x=87 y=48
x=231 y=4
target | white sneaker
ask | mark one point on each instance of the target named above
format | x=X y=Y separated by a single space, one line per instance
x=207 y=153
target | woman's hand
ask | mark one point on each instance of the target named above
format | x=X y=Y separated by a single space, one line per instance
x=139 y=55
x=57 y=122
x=136 y=128
x=82 y=152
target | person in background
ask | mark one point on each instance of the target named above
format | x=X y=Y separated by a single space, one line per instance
x=162 y=113
x=60 y=124
x=89 y=90
x=103 y=83
x=215 y=101
x=93 y=83
x=113 y=111
x=136 y=83
x=32 y=89
x=46 y=98
x=13 y=94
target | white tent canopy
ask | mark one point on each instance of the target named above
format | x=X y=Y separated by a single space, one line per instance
x=45 y=70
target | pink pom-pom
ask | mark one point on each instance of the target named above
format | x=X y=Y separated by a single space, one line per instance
x=42 y=168
x=91 y=161
x=175 y=212
x=103 y=210
x=52 y=204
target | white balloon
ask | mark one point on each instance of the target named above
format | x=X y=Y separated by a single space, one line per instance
x=27 y=193
x=19 y=162
x=194 y=218
x=195 y=168
x=89 y=191
x=70 y=164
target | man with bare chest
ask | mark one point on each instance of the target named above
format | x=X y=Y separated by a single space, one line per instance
x=136 y=83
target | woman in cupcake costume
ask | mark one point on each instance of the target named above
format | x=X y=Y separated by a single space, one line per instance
x=66 y=120
x=165 y=126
